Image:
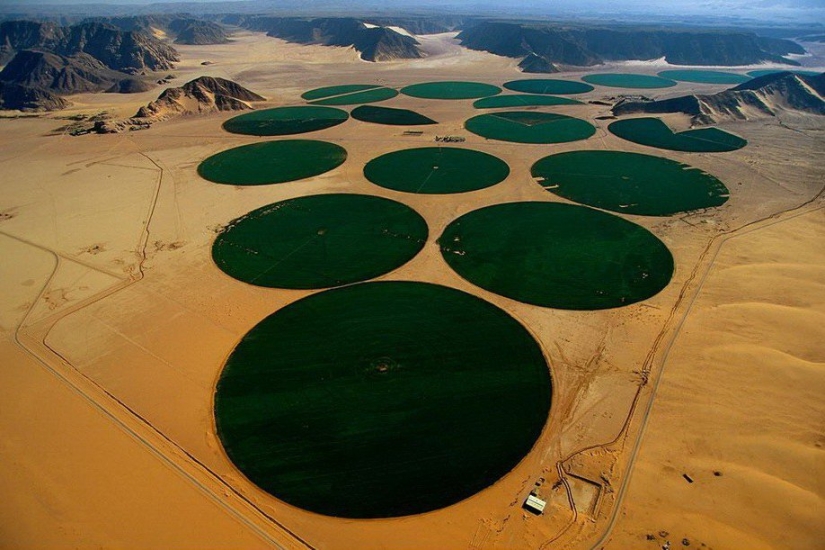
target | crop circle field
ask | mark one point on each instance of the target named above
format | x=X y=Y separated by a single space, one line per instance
x=272 y=162
x=704 y=77
x=349 y=94
x=283 y=121
x=628 y=80
x=522 y=100
x=629 y=183
x=545 y=86
x=382 y=399
x=320 y=241
x=557 y=255
x=390 y=116
x=436 y=170
x=530 y=127
x=450 y=90
x=655 y=133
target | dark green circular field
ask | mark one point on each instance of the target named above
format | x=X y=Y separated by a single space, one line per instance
x=450 y=90
x=546 y=86
x=704 y=77
x=282 y=121
x=382 y=399
x=436 y=170
x=320 y=241
x=627 y=80
x=557 y=255
x=272 y=162
x=349 y=94
x=390 y=116
x=655 y=133
x=530 y=127
x=522 y=100
x=630 y=183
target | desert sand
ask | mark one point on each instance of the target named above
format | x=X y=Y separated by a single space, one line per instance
x=115 y=324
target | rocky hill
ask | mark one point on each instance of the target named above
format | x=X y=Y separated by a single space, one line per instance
x=23 y=98
x=184 y=29
x=58 y=74
x=197 y=33
x=202 y=95
x=586 y=46
x=536 y=64
x=761 y=97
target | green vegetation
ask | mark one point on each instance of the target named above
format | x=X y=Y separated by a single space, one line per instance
x=371 y=95
x=382 y=399
x=451 y=90
x=625 y=80
x=525 y=100
x=530 y=127
x=655 y=133
x=282 y=121
x=387 y=115
x=333 y=91
x=548 y=86
x=436 y=170
x=272 y=162
x=705 y=77
x=320 y=241
x=557 y=255
x=764 y=72
x=629 y=182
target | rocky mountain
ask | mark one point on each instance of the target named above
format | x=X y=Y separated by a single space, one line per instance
x=58 y=74
x=129 y=86
x=586 y=46
x=537 y=64
x=202 y=95
x=761 y=97
x=23 y=98
x=184 y=29
x=197 y=33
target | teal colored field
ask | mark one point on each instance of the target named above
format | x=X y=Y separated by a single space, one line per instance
x=320 y=241
x=387 y=115
x=523 y=100
x=436 y=170
x=450 y=90
x=349 y=95
x=626 y=80
x=629 y=182
x=282 y=121
x=557 y=255
x=655 y=133
x=382 y=399
x=704 y=77
x=334 y=91
x=272 y=162
x=764 y=72
x=530 y=127
x=546 y=86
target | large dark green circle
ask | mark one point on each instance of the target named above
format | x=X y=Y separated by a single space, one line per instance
x=548 y=86
x=450 y=90
x=382 y=399
x=630 y=183
x=628 y=80
x=557 y=255
x=272 y=162
x=388 y=115
x=282 y=121
x=530 y=127
x=436 y=170
x=655 y=133
x=320 y=241
x=349 y=94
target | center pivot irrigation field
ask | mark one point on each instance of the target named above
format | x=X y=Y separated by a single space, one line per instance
x=282 y=121
x=382 y=399
x=349 y=94
x=655 y=133
x=530 y=127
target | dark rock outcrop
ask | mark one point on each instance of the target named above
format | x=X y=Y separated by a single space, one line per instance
x=203 y=95
x=24 y=98
x=58 y=74
x=197 y=33
x=129 y=86
x=536 y=64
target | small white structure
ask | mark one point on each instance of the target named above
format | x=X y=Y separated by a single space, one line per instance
x=534 y=504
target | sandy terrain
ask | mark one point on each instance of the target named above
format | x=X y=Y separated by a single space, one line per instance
x=115 y=325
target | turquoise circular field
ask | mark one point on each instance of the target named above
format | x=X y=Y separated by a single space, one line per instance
x=704 y=77
x=545 y=86
x=320 y=241
x=283 y=121
x=557 y=255
x=450 y=90
x=530 y=127
x=381 y=400
x=625 y=80
x=349 y=94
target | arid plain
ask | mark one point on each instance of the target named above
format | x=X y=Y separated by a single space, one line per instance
x=695 y=415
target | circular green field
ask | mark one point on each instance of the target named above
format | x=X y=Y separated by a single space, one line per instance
x=546 y=86
x=282 y=121
x=451 y=90
x=557 y=255
x=630 y=183
x=349 y=94
x=530 y=127
x=522 y=100
x=320 y=241
x=704 y=77
x=272 y=162
x=387 y=115
x=626 y=80
x=382 y=399
x=436 y=170
x=655 y=133
x=764 y=72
